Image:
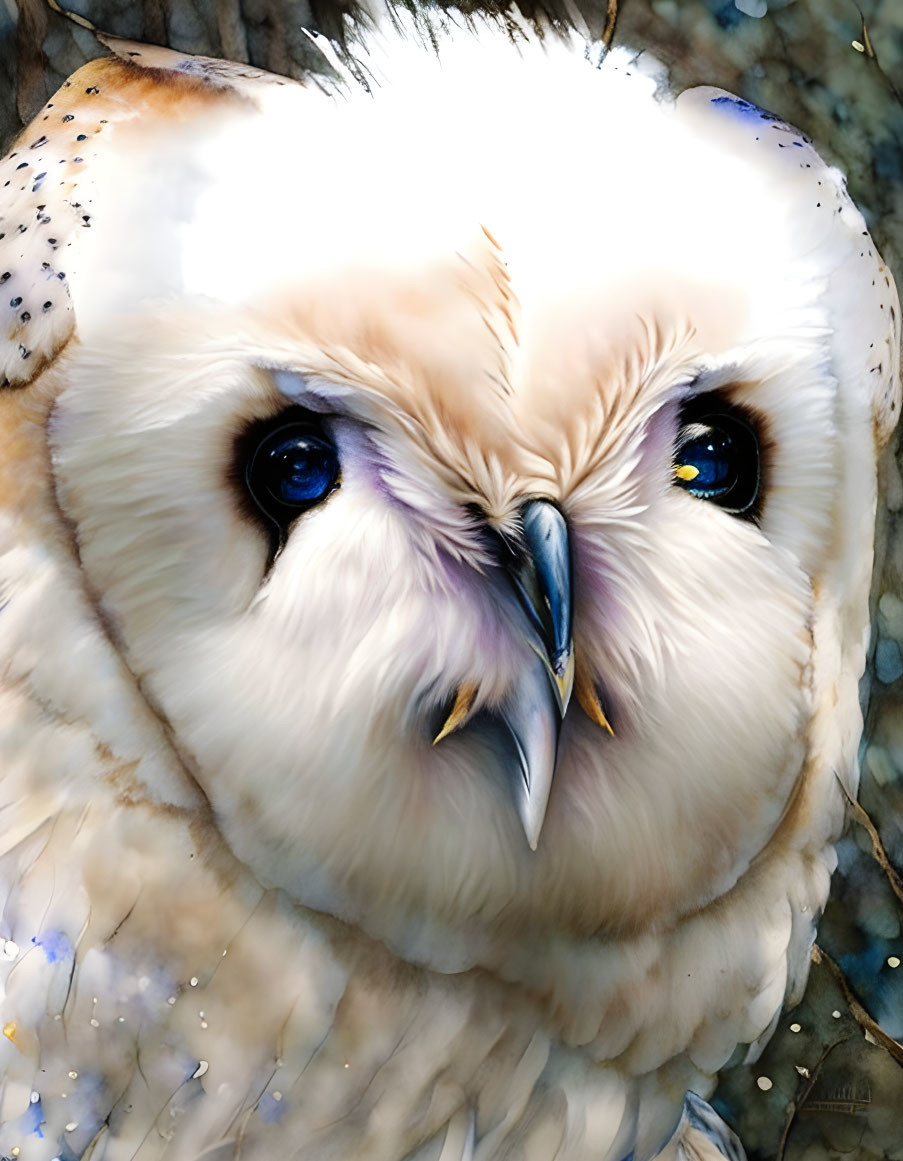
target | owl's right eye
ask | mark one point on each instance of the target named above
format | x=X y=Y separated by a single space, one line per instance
x=290 y=465
x=716 y=457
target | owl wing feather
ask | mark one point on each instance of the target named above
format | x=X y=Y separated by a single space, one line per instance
x=48 y=179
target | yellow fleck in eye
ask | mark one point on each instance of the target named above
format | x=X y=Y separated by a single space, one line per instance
x=686 y=472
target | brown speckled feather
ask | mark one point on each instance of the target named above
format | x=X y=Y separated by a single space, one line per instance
x=47 y=195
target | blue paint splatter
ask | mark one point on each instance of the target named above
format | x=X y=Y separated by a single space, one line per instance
x=34 y=1118
x=270 y=1110
x=744 y=110
x=55 y=944
x=31 y=1121
x=702 y=1117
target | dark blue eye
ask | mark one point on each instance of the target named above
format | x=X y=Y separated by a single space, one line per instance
x=297 y=469
x=291 y=467
x=705 y=461
x=716 y=457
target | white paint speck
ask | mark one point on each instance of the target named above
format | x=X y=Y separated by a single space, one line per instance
x=277 y=1095
x=194 y=981
x=858 y=45
x=171 y=1001
x=35 y=1097
x=95 y=1023
x=10 y=949
x=202 y=1067
x=764 y=1083
x=802 y=1071
x=836 y=1014
x=893 y=961
x=72 y=1126
x=796 y=1027
x=204 y=1024
x=72 y=1074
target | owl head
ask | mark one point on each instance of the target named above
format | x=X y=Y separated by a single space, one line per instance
x=471 y=476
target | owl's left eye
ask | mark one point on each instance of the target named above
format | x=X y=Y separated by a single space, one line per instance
x=716 y=458
x=290 y=466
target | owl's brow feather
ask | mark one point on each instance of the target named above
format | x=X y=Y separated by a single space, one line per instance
x=471 y=446
x=620 y=397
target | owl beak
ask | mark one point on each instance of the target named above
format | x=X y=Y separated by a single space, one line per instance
x=532 y=719
x=537 y=702
x=544 y=583
x=543 y=580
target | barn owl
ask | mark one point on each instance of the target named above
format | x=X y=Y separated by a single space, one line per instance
x=436 y=539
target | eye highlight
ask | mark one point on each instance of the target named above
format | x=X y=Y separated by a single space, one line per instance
x=290 y=465
x=716 y=457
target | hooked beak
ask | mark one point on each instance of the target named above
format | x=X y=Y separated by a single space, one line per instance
x=542 y=578
x=532 y=718
x=532 y=713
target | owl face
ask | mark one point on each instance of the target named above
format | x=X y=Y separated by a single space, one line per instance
x=484 y=514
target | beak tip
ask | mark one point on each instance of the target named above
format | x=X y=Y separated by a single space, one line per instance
x=532 y=721
x=532 y=821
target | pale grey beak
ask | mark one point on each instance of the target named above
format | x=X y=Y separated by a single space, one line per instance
x=531 y=715
x=534 y=708
x=543 y=580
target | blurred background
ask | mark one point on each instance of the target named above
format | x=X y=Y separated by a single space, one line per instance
x=830 y=1083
